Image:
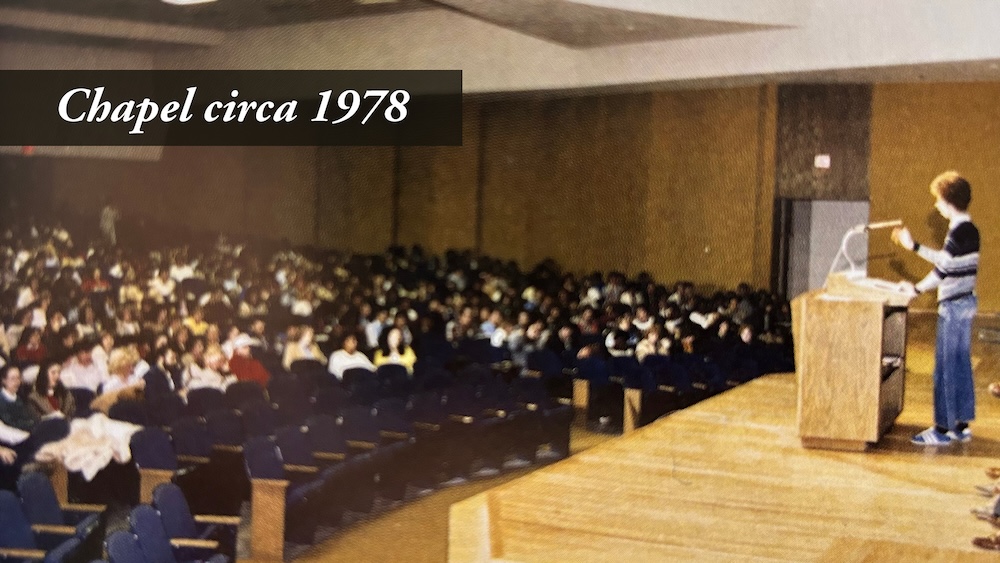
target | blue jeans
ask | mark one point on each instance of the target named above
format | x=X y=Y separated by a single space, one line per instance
x=954 y=396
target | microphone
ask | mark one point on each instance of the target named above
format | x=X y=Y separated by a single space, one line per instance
x=878 y=225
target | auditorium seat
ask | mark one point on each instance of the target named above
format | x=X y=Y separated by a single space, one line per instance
x=122 y=546
x=204 y=400
x=180 y=522
x=131 y=411
x=42 y=507
x=241 y=392
x=157 y=547
x=20 y=541
x=82 y=398
x=260 y=418
x=279 y=508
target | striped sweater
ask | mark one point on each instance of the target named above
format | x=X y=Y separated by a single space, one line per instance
x=956 y=265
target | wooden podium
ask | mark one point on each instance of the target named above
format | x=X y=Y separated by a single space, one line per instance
x=850 y=361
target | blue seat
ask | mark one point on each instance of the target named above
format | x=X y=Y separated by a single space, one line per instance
x=156 y=547
x=163 y=406
x=204 y=400
x=225 y=426
x=260 y=418
x=293 y=403
x=242 y=392
x=331 y=400
x=191 y=439
x=133 y=412
x=123 y=547
x=394 y=380
x=263 y=461
x=82 y=397
x=327 y=439
x=151 y=449
x=180 y=522
x=47 y=430
x=16 y=533
x=545 y=361
x=42 y=507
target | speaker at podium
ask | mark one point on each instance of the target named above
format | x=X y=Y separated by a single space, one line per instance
x=850 y=354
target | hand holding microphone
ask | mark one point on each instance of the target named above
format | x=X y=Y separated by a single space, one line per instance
x=902 y=237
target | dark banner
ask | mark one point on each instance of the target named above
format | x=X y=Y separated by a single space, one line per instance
x=202 y=108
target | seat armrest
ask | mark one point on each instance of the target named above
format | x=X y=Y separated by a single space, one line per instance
x=217 y=519
x=75 y=507
x=394 y=435
x=192 y=459
x=329 y=456
x=195 y=543
x=427 y=426
x=301 y=468
x=17 y=553
x=56 y=529
x=464 y=419
x=362 y=445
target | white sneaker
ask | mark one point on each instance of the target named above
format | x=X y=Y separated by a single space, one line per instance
x=931 y=437
x=963 y=436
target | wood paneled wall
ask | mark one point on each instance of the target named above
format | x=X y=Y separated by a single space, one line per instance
x=919 y=131
x=675 y=183
x=830 y=119
x=356 y=197
x=260 y=191
x=438 y=191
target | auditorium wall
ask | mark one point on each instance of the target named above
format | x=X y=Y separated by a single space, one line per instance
x=918 y=131
x=675 y=183
x=267 y=192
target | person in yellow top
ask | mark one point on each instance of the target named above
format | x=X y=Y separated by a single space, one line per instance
x=301 y=346
x=392 y=350
x=196 y=322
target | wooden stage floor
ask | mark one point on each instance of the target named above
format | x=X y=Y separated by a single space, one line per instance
x=728 y=479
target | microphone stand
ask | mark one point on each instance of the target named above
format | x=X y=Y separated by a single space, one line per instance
x=843 y=251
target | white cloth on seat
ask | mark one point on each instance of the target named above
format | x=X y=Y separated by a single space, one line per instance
x=91 y=445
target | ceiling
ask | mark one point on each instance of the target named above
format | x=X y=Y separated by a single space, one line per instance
x=581 y=25
x=223 y=14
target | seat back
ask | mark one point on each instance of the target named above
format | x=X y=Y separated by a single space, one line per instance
x=48 y=430
x=151 y=449
x=133 y=412
x=306 y=367
x=595 y=370
x=153 y=541
x=15 y=530
x=225 y=427
x=191 y=438
x=293 y=443
x=262 y=458
x=204 y=400
x=242 y=392
x=325 y=435
x=82 y=397
x=259 y=418
x=545 y=361
x=123 y=547
x=175 y=513
x=360 y=424
x=39 y=499
x=331 y=400
x=355 y=376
